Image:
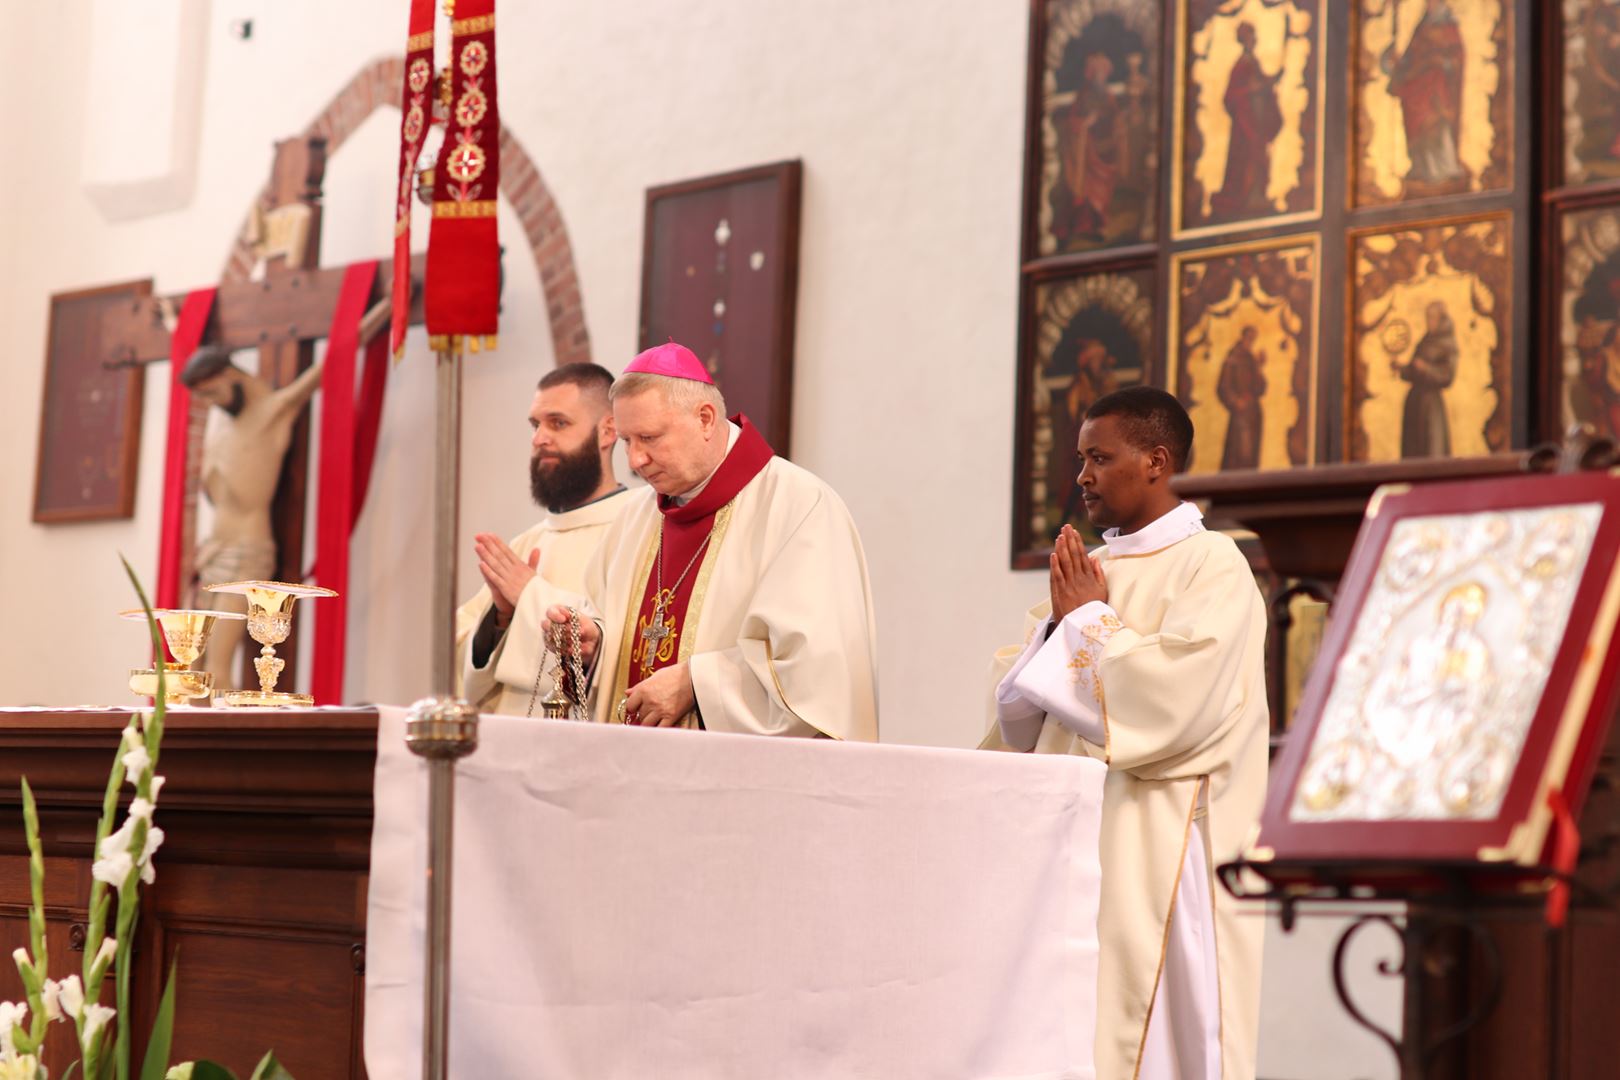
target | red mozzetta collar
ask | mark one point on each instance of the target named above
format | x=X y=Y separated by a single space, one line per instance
x=743 y=462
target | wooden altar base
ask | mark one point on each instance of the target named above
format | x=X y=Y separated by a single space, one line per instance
x=261 y=880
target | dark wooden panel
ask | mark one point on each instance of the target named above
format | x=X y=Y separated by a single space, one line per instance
x=261 y=881
x=64 y=960
x=244 y=990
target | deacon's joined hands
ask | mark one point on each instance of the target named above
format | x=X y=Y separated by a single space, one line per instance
x=1076 y=578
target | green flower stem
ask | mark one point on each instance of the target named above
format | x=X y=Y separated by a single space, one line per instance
x=129 y=896
x=36 y=915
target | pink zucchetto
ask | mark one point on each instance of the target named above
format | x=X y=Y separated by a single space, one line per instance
x=675 y=361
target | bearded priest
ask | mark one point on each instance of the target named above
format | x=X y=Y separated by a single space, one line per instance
x=498 y=632
x=732 y=593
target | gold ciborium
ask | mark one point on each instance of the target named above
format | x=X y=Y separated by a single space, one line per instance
x=269 y=621
x=186 y=631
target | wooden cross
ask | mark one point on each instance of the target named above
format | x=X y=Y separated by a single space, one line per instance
x=282 y=315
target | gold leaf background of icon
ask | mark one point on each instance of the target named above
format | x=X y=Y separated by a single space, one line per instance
x=1385 y=162
x=1280 y=335
x=1471 y=400
x=1286 y=36
x=1429 y=708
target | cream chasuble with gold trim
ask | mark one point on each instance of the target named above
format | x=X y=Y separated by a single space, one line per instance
x=1166 y=683
x=778 y=631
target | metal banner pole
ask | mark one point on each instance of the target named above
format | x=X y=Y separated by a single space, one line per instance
x=441 y=728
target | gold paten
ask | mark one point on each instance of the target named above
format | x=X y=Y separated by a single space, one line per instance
x=269 y=621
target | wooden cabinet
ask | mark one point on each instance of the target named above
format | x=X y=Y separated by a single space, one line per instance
x=261 y=880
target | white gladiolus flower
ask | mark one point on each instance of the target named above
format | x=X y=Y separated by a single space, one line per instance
x=140 y=808
x=136 y=763
x=133 y=736
x=154 y=840
x=95 y=1018
x=50 y=997
x=113 y=869
x=21 y=957
x=23 y=1067
x=12 y=1014
x=70 y=995
x=157 y=786
x=107 y=952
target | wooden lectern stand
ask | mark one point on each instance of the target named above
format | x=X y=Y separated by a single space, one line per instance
x=261 y=880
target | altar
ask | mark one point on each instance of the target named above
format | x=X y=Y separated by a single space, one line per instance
x=627 y=902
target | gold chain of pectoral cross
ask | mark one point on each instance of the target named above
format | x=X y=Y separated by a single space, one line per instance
x=655 y=631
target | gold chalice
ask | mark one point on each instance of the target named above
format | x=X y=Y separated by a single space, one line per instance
x=269 y=621
x=186 y=631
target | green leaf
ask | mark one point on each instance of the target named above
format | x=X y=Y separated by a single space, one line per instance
x=270 y=1069
x=200 y=1070
x=157 y=1047
x=70 y=1069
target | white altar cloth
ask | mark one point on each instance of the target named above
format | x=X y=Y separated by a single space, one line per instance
x=672 y=904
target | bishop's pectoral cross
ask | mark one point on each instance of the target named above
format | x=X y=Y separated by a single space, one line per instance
x=282 y=315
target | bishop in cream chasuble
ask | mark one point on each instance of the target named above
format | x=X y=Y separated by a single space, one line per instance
x=732 y=593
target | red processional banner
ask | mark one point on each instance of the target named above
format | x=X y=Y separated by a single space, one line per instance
x=416 y=113
x=463 y=264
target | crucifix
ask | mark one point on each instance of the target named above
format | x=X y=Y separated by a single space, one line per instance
x=282 y=314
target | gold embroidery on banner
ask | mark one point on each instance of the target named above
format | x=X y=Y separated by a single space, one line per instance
x=466 y=162
x=472 y=107
x=421 y=72
x=479 y=208
x=478 y=24
x=424 y=40
x=415 y=120
x=1164 y=942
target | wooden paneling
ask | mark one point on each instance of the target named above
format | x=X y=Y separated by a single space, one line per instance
x=261 y=880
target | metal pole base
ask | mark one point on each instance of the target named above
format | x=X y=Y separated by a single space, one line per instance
x=440 y=730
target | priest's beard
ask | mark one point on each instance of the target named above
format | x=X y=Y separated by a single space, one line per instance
x=564 y=482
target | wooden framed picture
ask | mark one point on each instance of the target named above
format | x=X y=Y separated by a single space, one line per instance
x=90 y=415
x=1090 y=333
x=1093 y=126
x=1589 y=92
x=1243 y=352
x=1584 y=359
x=1249 y=115
x=1431 y=102
x=720 y=271
x=1468 y=674
x=1429 y=340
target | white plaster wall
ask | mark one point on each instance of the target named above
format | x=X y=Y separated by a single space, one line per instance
x=908 y=117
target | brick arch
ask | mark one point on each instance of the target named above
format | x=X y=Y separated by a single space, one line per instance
x=378 y=84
